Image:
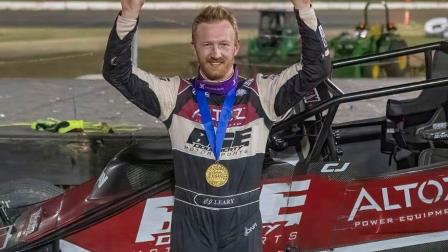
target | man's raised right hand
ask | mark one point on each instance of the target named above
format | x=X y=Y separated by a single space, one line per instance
x=131 y=8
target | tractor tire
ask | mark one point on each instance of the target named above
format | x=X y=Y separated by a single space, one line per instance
x=51 y=247
x=23 y=192
x=439 y=65
x=400 y=66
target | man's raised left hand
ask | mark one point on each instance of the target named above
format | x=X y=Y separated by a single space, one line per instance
x=301 y=4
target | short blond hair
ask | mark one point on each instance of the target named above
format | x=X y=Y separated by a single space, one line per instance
x=213 y=14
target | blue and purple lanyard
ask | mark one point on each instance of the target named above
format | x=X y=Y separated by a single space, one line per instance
x=228 y=87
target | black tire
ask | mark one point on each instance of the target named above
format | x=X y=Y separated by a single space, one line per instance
x=23 y=192
x=51 y=247
x=439 y=65
x=400 y=66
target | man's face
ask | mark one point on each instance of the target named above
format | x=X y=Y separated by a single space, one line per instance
x=216 y=46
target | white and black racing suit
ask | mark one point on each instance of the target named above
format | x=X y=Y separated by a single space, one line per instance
x=226 y=218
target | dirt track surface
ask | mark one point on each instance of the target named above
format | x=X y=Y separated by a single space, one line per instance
x=182 y=19
x=96 y=42
x=25 y=100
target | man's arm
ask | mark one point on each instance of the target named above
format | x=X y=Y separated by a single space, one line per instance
x=278 y=93
x=156 y=96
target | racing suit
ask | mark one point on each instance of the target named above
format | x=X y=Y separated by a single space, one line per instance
x=226 y=218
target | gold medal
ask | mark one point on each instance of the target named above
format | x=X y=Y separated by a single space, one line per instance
x=217 y=175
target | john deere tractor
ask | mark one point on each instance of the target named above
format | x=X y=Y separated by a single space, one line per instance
x=277 y=43
x=370 y=39
x=277 y=46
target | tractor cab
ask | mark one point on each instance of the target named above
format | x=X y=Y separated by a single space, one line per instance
x=275 y=24
x=376 y=29
x=370 y=39
x=276 y=43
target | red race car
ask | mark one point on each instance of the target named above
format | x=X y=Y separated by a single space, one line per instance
x=364 y=185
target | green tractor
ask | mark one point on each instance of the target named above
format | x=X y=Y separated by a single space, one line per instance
x=370 y=39
x=277 y=43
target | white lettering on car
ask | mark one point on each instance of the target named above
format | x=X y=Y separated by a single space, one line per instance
x=327 y=167
x=406 y=202
x=274 y=194
x=155 y=218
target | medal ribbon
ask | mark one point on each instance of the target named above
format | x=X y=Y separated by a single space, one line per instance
x=216 y=140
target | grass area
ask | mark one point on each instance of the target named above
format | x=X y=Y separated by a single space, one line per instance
x=19 y=43
x=44 y=33
x=72 y=52
x=73 y=64
x=414 y=34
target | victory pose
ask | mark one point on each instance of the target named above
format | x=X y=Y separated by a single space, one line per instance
x=218 y=122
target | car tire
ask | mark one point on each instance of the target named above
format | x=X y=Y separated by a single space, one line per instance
x=51 y=247
x=23 y=192
x=439 y=65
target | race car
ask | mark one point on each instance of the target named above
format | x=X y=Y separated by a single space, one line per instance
x=363 y=185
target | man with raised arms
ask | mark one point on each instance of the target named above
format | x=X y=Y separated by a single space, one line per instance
x=218 y=122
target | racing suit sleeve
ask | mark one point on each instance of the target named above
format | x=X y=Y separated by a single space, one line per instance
x=154 y=95
x=278 y=93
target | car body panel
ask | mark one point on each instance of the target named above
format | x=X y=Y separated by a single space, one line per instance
x=350 y=212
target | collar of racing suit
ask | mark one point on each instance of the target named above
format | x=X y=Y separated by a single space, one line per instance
x=217 y=87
